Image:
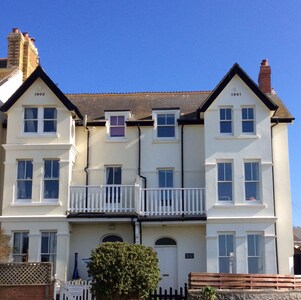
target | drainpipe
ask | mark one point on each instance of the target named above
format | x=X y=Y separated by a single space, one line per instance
x=87 y=160
x=139 y=162
x=182 y=166
x=275 y=227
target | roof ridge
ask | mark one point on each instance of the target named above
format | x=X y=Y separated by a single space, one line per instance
x=137 y=93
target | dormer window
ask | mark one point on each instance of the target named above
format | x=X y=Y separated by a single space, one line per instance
x=165 y=124
x=116 y=126
x=40 y=119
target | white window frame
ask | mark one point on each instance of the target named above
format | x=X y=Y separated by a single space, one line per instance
x=113 y=191
x=19 y=180
x=224 y=180
x=108 y=115
x=20 y=256
x=51 y=255
x=51 y=178
x=248 y=119
x=225 y=120
x=155 y=115
x=229 y=255
x=259 y=256
x=40 y=121
x=166 y=194
x=252 y=180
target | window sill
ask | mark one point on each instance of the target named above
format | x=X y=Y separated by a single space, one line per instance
x=38 y=135
x=242 y=136
x=46 y=203
x=116 y=140
x=232 y=204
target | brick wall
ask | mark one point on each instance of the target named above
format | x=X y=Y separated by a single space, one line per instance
x=33 y=292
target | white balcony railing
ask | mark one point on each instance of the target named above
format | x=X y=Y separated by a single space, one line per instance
x=104 y=198
x=172 y=201
x=130 y=198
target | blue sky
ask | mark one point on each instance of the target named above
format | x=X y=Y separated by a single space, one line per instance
x=165 y=45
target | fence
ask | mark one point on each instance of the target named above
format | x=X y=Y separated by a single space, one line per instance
x=75 y=289
x=80 y=290
x=244 y=281
x=169 y=294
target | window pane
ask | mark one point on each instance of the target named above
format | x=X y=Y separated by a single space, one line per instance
x=31 y=126
x=55 y=168
x=50 y=126
x=222 y=245
x=50 y=113
x=228 y=171
x=166 y=131
x=170 y=119
x=120 y=120
x=47 y=167
x=248 y=126
x=226 y=127
x=117 y=131
x=117 y=175
x=252 y=191
x=224 y=265
x=113 y=120
x=24 y=189
x=161 y=119
x=225 y=191
x=112 y=239
x=51 y=189
x=31 y=113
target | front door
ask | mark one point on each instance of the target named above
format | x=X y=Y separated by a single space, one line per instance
x=168 y=264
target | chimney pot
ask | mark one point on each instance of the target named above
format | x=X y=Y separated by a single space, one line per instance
x=25 y=34
x=264 y=62
x=16 y=30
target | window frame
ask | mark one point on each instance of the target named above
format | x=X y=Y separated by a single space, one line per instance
x=165 y=112
x=224 y=119
x=113 y=192
x=167 y=192
x=24 y=239
x=248 y=120
x=224 y=181
x=52 y=178
x=25 y=179
x=260 y=256
x=51 y=245
x=227 y=257
x=108 y=116
x=252 y=181
x=40 y=120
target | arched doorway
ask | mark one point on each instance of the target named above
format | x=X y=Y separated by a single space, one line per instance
x=168 y=262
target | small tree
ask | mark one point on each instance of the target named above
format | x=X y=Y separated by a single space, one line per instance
x=5 y=247
x=123 y=271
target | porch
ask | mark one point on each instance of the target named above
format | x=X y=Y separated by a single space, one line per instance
x=151 y=202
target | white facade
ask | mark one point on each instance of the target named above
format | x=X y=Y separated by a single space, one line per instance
x=156 y=181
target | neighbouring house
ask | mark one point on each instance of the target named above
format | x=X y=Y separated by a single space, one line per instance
x=202 y=177
x=22 y=59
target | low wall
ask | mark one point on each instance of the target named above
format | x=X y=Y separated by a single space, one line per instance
x=32 y=292
x=26 y=281
x=248 y=295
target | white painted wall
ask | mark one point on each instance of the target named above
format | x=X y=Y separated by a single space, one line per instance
x=284 y=226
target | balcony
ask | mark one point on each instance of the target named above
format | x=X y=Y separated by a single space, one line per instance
x=149 y=202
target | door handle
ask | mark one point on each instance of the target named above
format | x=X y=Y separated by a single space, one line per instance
x=165 y=275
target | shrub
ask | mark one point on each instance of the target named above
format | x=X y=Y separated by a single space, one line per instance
x=208 y=293
x=5 y=247
x=123 y=271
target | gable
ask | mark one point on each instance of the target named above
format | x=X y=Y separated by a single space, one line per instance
x=236 y=70
x=41 y=75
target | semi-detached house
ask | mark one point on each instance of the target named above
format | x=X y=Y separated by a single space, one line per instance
x=202 y=177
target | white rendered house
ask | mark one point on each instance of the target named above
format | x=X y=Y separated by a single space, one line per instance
x=202 y=177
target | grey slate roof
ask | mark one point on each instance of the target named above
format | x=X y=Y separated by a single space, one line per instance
x=142 y=104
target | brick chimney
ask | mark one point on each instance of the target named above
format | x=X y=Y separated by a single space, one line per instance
x=22 y=52
x=264 y=77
